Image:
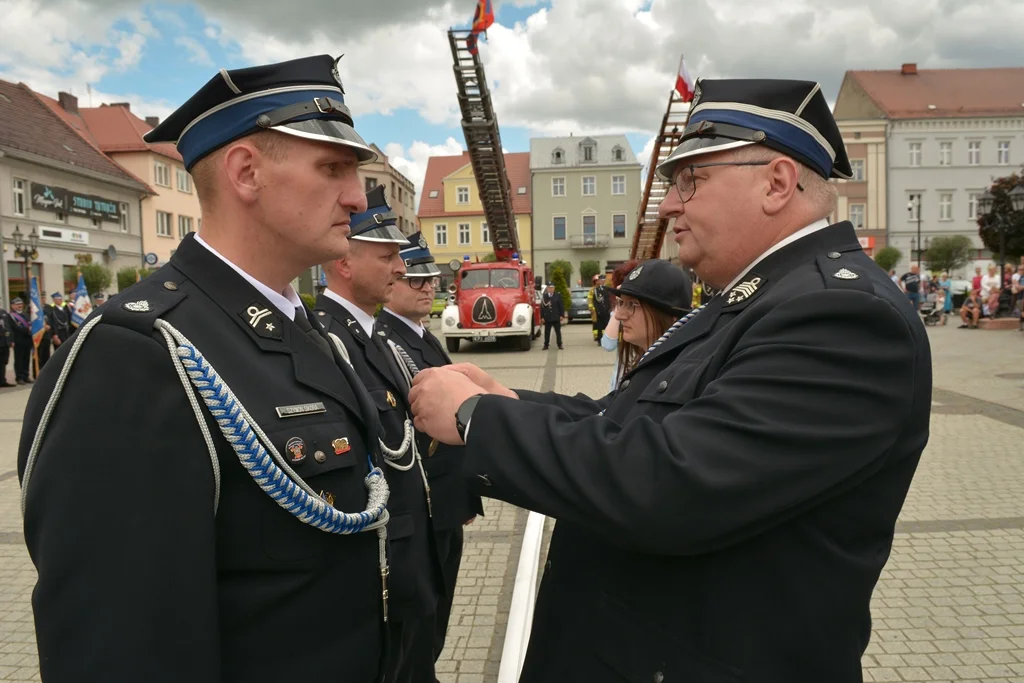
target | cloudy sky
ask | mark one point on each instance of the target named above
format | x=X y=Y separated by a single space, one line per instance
x=555 y=66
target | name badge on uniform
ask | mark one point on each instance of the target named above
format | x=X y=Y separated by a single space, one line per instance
x=300 y=409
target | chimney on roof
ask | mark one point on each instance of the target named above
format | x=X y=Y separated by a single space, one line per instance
x=153 y=121
x=909 y=69
x=68 y=102
x=126 y=105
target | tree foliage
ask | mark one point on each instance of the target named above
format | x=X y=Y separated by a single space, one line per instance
x=97 y=277
x=1003 y=215
x=489 y=258
x=129 y=275
x=948 y=253
x=588 y=269
x=559 y=281
x=888 y=257
x=566 y=269
x=309 y=300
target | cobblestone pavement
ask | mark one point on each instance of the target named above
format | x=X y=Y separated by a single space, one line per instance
x=949 y=606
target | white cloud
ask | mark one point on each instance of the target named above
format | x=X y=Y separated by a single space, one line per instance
x=197 y=54
x=129 y=47
x=412 y=162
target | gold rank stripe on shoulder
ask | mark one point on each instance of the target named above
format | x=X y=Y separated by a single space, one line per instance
x=300 y=409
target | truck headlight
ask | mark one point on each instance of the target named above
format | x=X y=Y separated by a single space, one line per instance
x=449 y=322
x=520 y=319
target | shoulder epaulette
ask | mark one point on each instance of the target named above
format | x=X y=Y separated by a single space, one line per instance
x=837 y=272
x=139 y=308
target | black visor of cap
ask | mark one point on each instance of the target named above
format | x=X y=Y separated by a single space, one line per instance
x=385 y=232
x=422 y=270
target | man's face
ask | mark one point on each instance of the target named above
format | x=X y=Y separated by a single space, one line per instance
x=410 y=302
x=17 y=307
x=58 y=301
x=914 y=269
x=374 y=267
x=717 y=230
x=992 y=271
x=307 y=198
x=550 y=290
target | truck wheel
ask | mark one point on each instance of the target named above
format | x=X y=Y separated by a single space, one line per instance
x=524 y=342
x=452 y=343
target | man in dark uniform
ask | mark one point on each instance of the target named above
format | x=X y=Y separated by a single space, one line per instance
x=552 y=312
x=602 y=307
x=725 y=514
x=452 y=504
x=21 y=332
x=356 y=285
x=225 y=523
x=45 y=344
x=6 y=342
x=59 y=320
x=98 y=299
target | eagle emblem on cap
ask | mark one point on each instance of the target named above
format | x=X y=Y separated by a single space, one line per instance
x=337 y=76
x=697 y=92
x=423 y=243
x=636 y=273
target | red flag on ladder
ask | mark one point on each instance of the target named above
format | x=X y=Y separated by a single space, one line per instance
x=684 y=82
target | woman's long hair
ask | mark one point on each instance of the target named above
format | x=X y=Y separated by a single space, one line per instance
x=656 y=322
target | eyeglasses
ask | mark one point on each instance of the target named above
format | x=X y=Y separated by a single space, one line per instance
x=418 y=283
x=686 y=184
x=628 y=306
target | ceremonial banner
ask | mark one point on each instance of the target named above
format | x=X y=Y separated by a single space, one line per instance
x=81 y=305
x=684 y=82
x=37 y=321
x=483 y=17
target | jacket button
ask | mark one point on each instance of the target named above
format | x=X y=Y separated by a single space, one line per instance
x=662 y=386
x=625 y=383
x=484 y=480
x=834 y=255
x=658 y=677
x=170 y=285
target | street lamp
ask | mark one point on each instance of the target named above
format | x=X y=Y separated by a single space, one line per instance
x=27 y=252
x=910 y=215
x=986 y=207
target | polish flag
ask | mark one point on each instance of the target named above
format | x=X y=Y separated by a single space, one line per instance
x=684 y=82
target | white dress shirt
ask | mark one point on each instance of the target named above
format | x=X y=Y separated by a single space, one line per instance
x=416 y=327
x=364 y=319
x=799 y=234
x=287 y=302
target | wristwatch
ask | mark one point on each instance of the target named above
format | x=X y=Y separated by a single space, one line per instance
x=464 y=413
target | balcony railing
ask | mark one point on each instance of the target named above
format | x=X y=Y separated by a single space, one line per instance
x=590 y=240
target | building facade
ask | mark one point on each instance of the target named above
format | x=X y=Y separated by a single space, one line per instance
x=401 y=191
x=949 y=134
x=55 y=185
x=172 y=210
x=862 y=199
x=586 y=192
x=452 y=217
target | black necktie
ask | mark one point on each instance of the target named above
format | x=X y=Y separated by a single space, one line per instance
x=314 y=336
x=435 y=344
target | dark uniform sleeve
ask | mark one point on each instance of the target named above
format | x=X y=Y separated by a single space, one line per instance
x=578 y=406
x=806 y=407
x=120 y=520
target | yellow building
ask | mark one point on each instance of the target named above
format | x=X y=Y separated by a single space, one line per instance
x=451 y=215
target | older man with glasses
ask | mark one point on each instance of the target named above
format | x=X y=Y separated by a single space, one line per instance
x=725 y=514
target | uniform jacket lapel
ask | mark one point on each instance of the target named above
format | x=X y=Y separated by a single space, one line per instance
x=347 y=327
x=261 y=322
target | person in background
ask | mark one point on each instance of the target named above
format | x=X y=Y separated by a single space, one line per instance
x=946 y=288
x=59 y=320
x=976 y=280
x=651 y=297
x=98 y=299
x=911 y=286
x=6 y=343
x=21 y=329
x=44 y=342
x=552 y=312
x=600 y=306
x=971 y=309
x=990 y=290
x=610 y=338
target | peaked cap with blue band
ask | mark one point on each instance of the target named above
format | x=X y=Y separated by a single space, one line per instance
x=302 y=97
x=419 y=262
x=791 y=117
x=379 y=223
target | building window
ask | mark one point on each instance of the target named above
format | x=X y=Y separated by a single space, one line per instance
x=521 y=189
x=433 y=194
x=558 y=187
x=558 y=156
x=161 y=173
x=124 y=217
x=462 y=195
x=619 y=225
x=618 y=184
x=945 y=154
x=590 y=224
x=1003 y=153
x=485 y=233
x=588 y=152
x=915 y=154
x=618 y=154
x=441 y=235
x=163 y=224
x=857 y=216
x=857 y=166
x=184 y=181
x=464 y=238
x=19 y=197
x=974 y=153
x=370 y=183
x=559 y=227
x=972 y=205
x=946 y=206
x=184 y=226
x=399 y=195
x=589 y=185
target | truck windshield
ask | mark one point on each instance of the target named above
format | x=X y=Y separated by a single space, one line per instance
x=504 y=278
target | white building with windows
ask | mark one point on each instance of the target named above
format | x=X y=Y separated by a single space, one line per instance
x=949 y=134
x=586 y=191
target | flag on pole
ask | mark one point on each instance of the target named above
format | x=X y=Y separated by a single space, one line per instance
x=684 y=82
x=35 y=303
x=81 y=305
x=483 y=16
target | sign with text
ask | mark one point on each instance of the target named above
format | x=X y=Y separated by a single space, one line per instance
x=58 y=199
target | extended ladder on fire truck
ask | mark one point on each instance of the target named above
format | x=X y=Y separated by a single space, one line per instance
x=650 y=230
x=480 y=126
